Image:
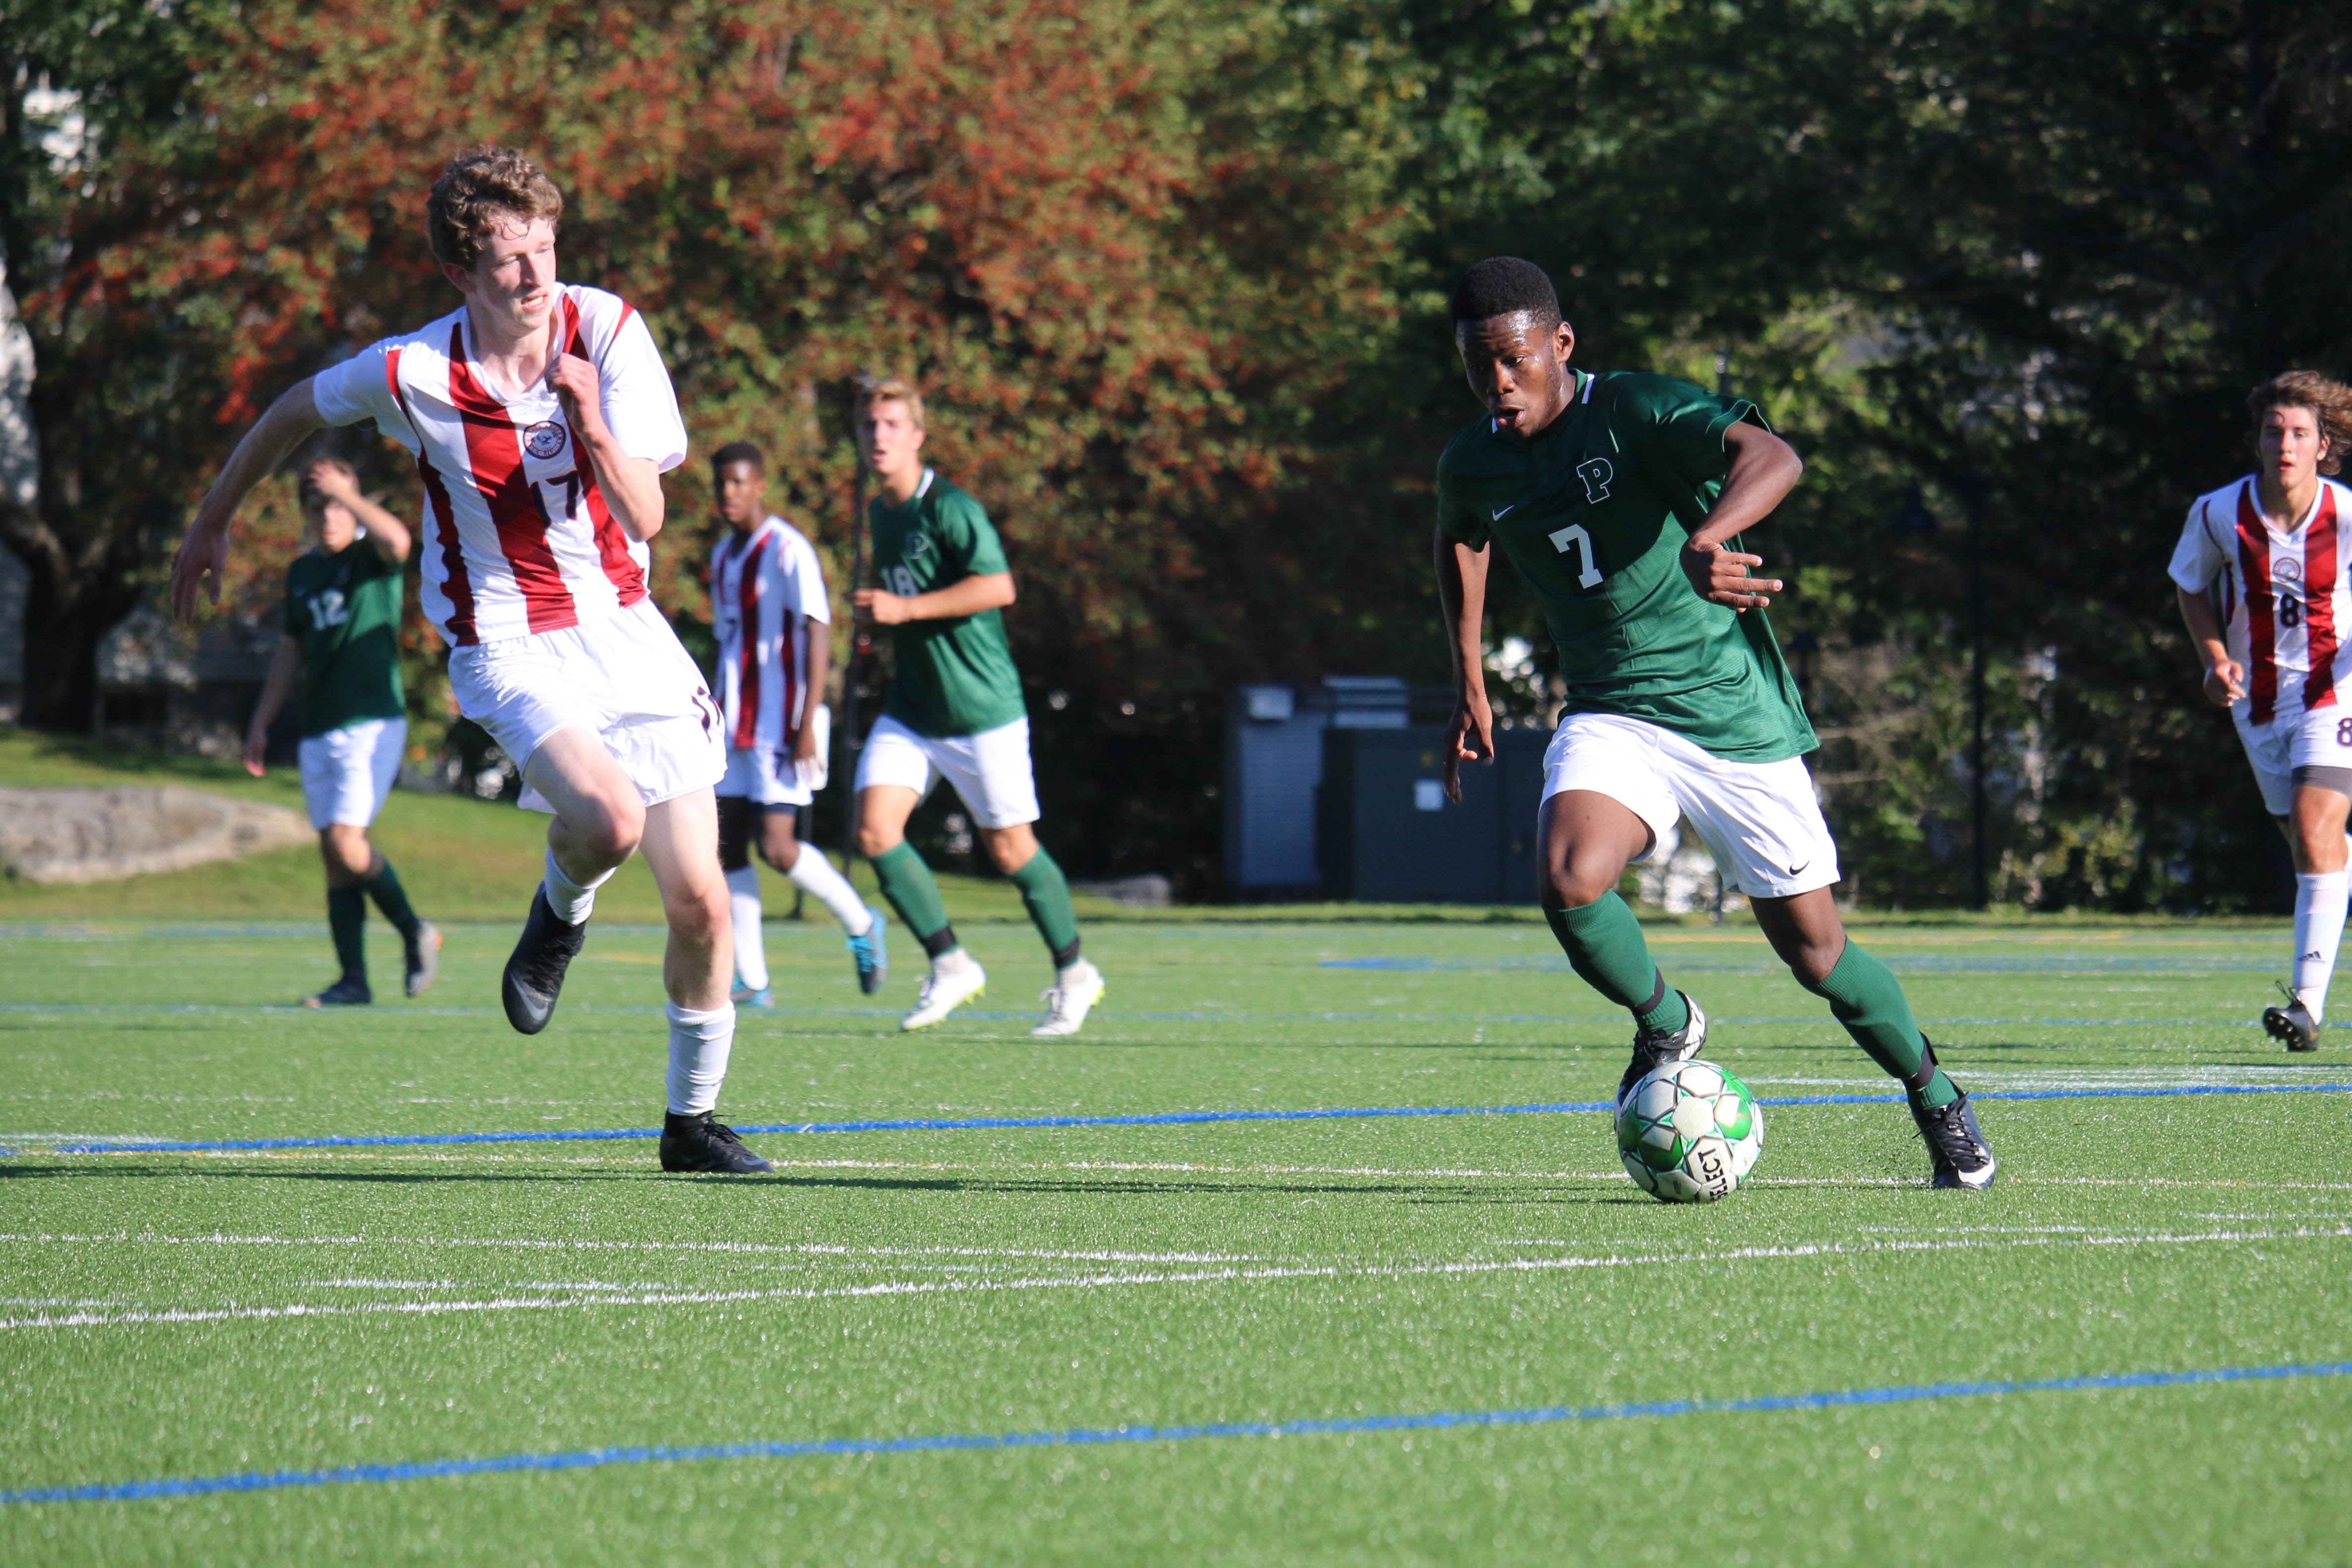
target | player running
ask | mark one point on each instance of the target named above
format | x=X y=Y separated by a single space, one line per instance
x=542 y=418
x=341 y=642
x=1614 y=493
x=767 y=591
x=2275 y=650
x=954 y=711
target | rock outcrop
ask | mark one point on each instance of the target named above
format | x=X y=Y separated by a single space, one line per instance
x=104 y=835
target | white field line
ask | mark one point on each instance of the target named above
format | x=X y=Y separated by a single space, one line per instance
x=826 y=1250
x=1107 y=1280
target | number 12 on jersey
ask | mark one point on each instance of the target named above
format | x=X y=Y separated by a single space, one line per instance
x=1588 y=570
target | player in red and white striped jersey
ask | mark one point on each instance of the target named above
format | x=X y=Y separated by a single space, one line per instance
x=767 y=599
x=2264 y=570
x=540 y=418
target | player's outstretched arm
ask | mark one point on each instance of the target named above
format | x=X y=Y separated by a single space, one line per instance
x=1764 y=469
x=2225 y=678
x=387 y=534
x=990 y=591
x=1462 y=598
x=203 y=560
x=275 y=689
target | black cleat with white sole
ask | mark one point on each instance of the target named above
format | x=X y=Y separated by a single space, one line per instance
x=1654 y=1049
x=347 y=991
x=703 y=1142
x=534 y=976
x=1962 y=1158
x=2292 y=1026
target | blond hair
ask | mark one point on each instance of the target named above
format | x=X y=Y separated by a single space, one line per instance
x=2329 y=402
x=478 y=188
x=892 y=389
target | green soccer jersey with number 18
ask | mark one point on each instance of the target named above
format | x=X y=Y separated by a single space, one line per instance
x=1595 y=511
x=948 y=678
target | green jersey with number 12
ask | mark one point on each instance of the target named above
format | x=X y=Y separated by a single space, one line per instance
x=1595 y=511
x=948 y=676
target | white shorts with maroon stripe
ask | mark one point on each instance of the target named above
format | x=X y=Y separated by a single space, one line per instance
x=2319 y=739
x=764 y=775
x=622 y=675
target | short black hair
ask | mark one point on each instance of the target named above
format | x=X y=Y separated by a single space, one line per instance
x=738 y=452
x=1506 y=286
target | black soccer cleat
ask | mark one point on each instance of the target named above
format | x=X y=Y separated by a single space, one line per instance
x=347 y=991
x=703 y=1142
x=424 y=958
x=2292 y=1026
x=1654 y=1049
x=1962 y=1158
x=534 y=976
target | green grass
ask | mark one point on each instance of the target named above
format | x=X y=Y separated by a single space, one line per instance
x=984 y=1282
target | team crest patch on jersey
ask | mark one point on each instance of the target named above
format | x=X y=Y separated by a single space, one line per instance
x=2287 y=569
x=916 y=543
x=544 y=440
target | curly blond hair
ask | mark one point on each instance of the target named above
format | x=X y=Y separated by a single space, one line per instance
x=2329 y=401
x=478 y=188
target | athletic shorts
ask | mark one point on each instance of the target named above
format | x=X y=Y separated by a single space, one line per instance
x=2321 y=738
x=1762 y=821
x=623 y=676
x=990 y=770
x=347 y=773
x=763 y=776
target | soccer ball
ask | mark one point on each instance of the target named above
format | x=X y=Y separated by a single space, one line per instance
x=1689 y=1132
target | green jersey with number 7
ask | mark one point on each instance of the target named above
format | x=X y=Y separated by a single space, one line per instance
x=1595 y=511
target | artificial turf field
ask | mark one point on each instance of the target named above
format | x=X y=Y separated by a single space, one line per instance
x=297 y=1313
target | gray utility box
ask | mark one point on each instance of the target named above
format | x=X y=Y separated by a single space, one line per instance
x=1386 y=833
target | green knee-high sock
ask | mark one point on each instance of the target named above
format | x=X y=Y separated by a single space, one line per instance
x=346 y=917
x=1869 y=1000
x=1603 y=943
x=1047 y=894
x=906 y=883
x=392 y=900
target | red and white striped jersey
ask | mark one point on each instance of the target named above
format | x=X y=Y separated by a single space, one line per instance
x=2281 y=595
x=766 y=587
x=519 y=538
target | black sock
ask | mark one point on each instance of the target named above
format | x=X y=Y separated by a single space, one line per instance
x=392 y=900
x=940 y=941
x=346 y=919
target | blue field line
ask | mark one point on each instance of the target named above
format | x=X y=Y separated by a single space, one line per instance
x=1099 y=1436
x=1159 y=1119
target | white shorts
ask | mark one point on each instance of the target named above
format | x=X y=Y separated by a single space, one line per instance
x=990 y=770
x=753 y=773
x=348 y=773
x=2321 y=738
x=623 y=676
x=1762 y=821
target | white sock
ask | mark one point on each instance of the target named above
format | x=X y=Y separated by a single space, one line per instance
x=815 y=875
x=2319 y=898
x=743 y=904
x=571 y=902
x=954 y=960
x=1079 y=969
x=699 y=1046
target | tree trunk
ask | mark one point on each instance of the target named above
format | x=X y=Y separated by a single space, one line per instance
x=67 y=616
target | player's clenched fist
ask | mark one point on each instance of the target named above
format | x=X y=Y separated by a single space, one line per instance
x=1721 y=577
x=2225 y=683
x=1470 y=733
x=576 y=387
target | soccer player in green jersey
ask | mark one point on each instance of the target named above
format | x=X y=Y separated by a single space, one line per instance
x=341 y=641
x=1616 y=495
x=954 y=711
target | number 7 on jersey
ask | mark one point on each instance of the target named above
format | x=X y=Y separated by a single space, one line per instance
x=1589 y=570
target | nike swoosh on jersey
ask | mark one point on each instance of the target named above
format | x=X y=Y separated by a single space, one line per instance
x=1502 y=512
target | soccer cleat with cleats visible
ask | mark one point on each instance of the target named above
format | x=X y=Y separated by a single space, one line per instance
x=1067 y=1004
x=742 y=996
x=534 y=972
x=1654 y=1049
x=347 y=992
x=942 y=994
x=1961 y=1156
x=704 y=1143
x=2293 y=1025
x=871 y=953
x=423 y=959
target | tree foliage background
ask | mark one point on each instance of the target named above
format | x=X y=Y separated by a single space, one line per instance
x=1173 y=277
